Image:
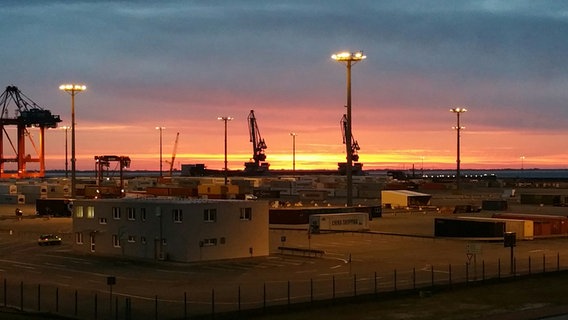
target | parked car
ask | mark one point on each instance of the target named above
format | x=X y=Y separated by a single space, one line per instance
x=48 y=240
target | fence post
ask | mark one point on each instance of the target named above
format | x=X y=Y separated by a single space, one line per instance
x=499 y=268
x=39 y=297
x=288 y=293
x=57 y=299
x=264 y=297
x=311 y=290
x=116 y=308
x=432 y=273
x=394 y=279
x=543 y=263
x=466 y=273
x=185 y=303
x=413 y=277
x=354 y=285
x=76 y=303
x=375 y=281
x=530 y=271
x=333 y=287
x=239 y=299
x=156 y=307
x=450 y=274
x=96 y=306
x=558 y=261
x=212 y=303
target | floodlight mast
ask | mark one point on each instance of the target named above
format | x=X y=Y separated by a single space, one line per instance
x=349 y=58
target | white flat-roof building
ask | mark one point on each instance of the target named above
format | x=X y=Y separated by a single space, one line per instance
x=176 y=229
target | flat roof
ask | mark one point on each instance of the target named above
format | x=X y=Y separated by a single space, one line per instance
x=409 y=193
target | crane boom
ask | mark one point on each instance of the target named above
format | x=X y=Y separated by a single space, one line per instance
x=174 y=153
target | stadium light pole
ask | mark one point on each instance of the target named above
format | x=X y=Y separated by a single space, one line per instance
x=293 y=134
x=73 y=89
x=161 y=162
x=225 y=120
x=349 y=59
x=458 y=129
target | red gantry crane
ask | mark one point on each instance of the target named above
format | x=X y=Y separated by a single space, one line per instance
x=27 y=115
x=257 y=164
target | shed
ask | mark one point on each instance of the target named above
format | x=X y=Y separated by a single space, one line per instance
x=404 y=198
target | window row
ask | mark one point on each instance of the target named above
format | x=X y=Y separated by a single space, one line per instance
x=209 y=215
x=116 y=240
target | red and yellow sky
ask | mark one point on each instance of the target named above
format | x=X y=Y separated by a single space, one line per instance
x=182 y=64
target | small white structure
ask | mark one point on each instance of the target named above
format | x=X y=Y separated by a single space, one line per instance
x=175 y=229
x=339 y=222
x=404 y=198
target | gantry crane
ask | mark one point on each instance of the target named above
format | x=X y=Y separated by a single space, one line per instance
x=27 y=115
x=106 y=187
x=257 y=164
x=357 y=167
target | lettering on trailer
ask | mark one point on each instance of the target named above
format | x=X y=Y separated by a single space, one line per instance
x=344 y=222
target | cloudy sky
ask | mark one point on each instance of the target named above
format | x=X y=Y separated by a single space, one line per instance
x=181 y=64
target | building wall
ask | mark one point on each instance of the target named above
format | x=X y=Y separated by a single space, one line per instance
x=239 y=228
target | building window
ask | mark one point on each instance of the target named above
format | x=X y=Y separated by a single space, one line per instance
x=143 y=240
x=143 y=214
x=79 y=238
x=116 y=213
x=177 y=215
x=90 y=212
x=115 y=241
x=164 y=242
x=210 y=215
x=222 y=240
x=209 y=242
x=131 y=238
x=79 y=211
x=103 y=220
x=246 y=213
x=131 y=213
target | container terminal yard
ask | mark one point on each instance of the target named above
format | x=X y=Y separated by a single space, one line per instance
x=191 y=246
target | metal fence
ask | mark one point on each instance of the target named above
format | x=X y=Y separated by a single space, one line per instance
x=262 y=297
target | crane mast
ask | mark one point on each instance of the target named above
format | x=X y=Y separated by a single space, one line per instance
x=174 y=153
x=258 y=145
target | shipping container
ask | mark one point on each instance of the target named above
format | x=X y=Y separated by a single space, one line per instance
x=301 y=215
x=524 y=229
x=339 y=222
x=464 y=228
x=556 y=224
x=12 y=199
x=494 y=205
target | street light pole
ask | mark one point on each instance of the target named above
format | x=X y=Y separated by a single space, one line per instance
x=73 y=89
x=66 y=128
x=225 y=119
x=293 y=151
x=161 y=162
x=458 y=129
x=349 y=59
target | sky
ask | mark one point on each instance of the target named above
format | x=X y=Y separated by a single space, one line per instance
x=181 y=64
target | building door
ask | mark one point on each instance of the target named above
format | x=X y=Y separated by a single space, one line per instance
x=92 y=241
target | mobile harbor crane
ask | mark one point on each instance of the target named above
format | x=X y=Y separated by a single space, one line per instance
x=257 y=165
x=357 y=167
